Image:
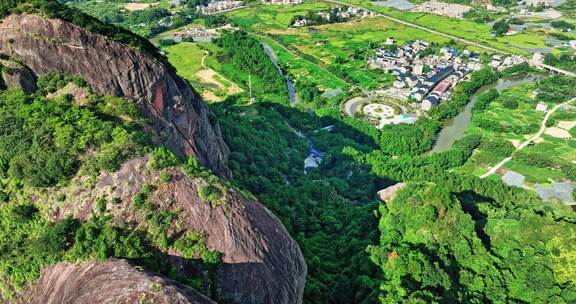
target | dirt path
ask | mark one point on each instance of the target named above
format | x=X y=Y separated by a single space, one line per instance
x=530 y=140
x=219 y=75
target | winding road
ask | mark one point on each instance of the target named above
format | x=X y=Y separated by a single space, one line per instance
x=527 y=142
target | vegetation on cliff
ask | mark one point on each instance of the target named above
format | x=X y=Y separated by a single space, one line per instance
x=54 y=9
x=44 y=142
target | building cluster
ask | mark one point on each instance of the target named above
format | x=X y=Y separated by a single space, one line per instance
x=195 y=32
x=218 y=6
x=428 y=79
x=283 y=2
x=501 y=62
x=342 y=13
x=443 y=9
x=536 y=3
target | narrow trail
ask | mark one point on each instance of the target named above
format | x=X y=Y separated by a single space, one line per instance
x=530 y=140
x=216 y=73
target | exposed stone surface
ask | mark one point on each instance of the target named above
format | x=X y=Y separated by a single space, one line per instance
x=111 y=68
x=390 y=192
x=113 y=281
x=15 y=75
x=261 y=263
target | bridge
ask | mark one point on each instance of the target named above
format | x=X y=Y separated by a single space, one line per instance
x=553 y=69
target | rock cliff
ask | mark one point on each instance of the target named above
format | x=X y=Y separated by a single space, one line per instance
x=261 y=263
x=178 y=114
x=112 y=281
x=15 y=75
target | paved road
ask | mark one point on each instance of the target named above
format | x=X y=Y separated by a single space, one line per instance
x=526 y=143
x=351 y=106
x=466 y=41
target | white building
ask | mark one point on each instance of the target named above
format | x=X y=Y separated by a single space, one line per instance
x=283 y=2
x=542 y=107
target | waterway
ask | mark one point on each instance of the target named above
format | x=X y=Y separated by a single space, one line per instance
x=291 y=89
x=457 y=126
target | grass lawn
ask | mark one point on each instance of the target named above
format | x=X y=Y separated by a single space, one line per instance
x=186 y=57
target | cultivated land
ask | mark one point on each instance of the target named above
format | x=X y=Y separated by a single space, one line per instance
x=265 y=17
x=462 y=28
x=562 y=150
x=339 y=48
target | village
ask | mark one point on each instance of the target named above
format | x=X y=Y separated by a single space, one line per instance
x=333 y=15
x=219 y=6
x=428 y=79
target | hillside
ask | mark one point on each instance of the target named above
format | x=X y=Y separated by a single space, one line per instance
x=106 y=153
x=118 y=183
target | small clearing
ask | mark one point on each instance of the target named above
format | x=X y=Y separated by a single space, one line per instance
x=557 y=132
x=138 y=6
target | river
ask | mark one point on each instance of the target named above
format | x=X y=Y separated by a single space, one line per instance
x=457 y=126
x=274 y=59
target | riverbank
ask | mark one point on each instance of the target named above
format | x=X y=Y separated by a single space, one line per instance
x=457 y=126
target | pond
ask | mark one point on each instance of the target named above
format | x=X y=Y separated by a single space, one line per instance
x=457 y=126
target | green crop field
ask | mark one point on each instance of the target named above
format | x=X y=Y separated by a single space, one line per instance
x=462 y=28
x=266 y=17
x=302 y=69
x=346 y=46
x=562 y=150
x=341 y=48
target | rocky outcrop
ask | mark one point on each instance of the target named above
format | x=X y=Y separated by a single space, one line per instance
x=261 y=263
x=16 y=75
x=178 y=114
x=113 y=281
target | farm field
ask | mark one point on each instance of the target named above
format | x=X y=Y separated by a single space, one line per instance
x=301 y=69
x=467 y=29
x=142 y=17
x=261 y=18
x=523 y=117
x=341 y=48
x=186 y=57
x=540 y=163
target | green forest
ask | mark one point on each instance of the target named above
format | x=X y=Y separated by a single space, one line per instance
x=446 y=237
x=251 y=66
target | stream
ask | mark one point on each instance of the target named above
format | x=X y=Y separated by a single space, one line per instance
x=274 y=59
x=457 y=126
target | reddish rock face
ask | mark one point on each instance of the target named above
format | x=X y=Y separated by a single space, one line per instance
x=179 y=115
x=261 y=263
x=112 y=281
